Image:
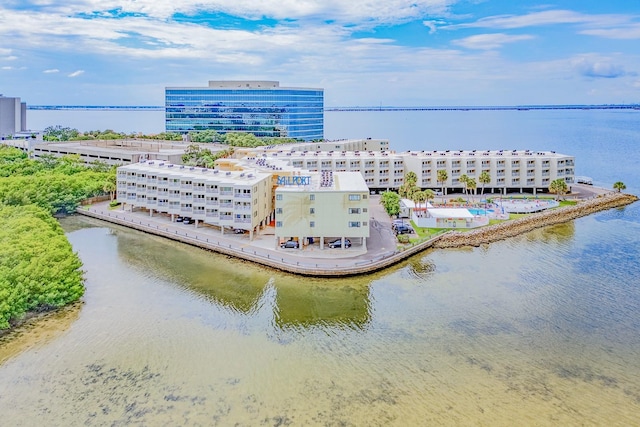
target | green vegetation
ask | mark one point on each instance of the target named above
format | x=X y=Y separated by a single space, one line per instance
x=484 y=179
x=390 y=200
x=442 y=179
x=38 y=269
x=55 y=184
x=195 y=155
x=235 y=139
x=619 y=186
x=558 y=187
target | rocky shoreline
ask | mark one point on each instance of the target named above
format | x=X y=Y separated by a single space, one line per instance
x=504 y=230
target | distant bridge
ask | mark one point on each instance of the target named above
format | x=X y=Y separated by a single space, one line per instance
x=364 y=108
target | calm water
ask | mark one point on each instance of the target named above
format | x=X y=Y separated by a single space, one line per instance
x=542 y=329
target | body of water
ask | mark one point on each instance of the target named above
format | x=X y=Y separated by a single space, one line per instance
x=541 y=329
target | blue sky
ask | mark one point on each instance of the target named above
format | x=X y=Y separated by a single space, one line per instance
x=362 y=52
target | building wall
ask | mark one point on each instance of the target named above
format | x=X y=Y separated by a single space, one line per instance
x=386 y=169
x=322 y=212
x=261 y=108
x=227 y=199
x=10 y=116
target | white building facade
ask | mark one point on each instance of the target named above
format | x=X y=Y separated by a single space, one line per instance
x=231 y=199
x=516 y=170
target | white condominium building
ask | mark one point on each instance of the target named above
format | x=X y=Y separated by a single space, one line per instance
x=516 y=170
x=322 y=206
x=231 y=199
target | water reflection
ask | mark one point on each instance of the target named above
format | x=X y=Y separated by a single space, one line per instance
x=243 y=287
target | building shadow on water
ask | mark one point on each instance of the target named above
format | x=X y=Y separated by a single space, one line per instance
x=241 y=286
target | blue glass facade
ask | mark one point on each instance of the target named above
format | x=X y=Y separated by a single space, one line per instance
x=266 y=112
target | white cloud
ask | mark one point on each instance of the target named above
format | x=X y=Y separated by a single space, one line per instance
x=627 y=32
x=591 y=66
x=548 y=17
x=6 y=67
x=432 y=25
x=490 y=41
x=52 y=70
x=76 y=73
x=352 y=11
x=11 y=58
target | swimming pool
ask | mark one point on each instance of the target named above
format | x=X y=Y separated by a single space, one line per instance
x=476 y=211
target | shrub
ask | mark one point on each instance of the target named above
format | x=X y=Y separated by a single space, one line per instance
x=403 y=238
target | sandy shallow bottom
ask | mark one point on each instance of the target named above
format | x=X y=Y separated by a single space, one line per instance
x=527 y=331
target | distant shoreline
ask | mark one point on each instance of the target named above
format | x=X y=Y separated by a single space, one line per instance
x=361 y=108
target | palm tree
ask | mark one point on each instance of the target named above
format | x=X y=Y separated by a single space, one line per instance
x=429 y=194
x=484 y=178
x=472 y=185
x=558 y=187
x=619 y=186
x=442 y=178
x=419 y=197
x=411 y=178
x=464 y=179
x=109 y=186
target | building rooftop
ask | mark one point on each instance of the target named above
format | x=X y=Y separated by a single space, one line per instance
x=246 y=176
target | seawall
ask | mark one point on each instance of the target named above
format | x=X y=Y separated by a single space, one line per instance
x=504 y=230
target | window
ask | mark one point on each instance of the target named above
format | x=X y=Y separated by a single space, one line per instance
x=354 y=223
x=312 y=210
x=354 y=210
x=354 y=197
x=278 y=210
x=278 y=223
x=364 y=209
x=312 y=196
x=278 y=196
x=312 y=224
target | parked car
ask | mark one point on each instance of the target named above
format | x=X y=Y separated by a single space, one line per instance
x=396 y=223
x=179 y=219
x=289 y=244
x=404 y=229
x=188 y=220
x=239 y=231
x=338 y=243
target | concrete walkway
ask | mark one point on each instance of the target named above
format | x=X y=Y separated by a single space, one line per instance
x=381 y=250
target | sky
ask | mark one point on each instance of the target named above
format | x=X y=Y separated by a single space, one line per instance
x=362 y=52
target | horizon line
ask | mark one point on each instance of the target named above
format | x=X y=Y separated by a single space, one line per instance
x=367 y=108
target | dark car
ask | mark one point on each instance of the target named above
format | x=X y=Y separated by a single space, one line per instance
x=179 y=219
x=289 y=244
x=338 y=243
x=403 y=229
x=396 y=223
x=239 y=231
x=188 y=220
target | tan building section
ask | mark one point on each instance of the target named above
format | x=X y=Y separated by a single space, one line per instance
x=322 y=207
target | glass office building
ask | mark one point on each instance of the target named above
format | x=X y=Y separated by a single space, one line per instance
x=259 y=107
